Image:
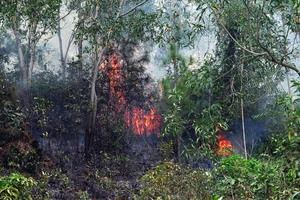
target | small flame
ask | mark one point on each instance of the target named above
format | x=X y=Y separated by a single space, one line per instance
x=225 y=147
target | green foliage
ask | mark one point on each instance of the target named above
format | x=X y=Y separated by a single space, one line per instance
x=172 y=181
x=166 y=150
x=193 y=112
x=285 y=127
x=11 y=122
x=106 y=22
x=242 y=75
x=17 y=150
x=11 y=116
x=16 y=187
x=236 y=177
x=84 y=195
x=174 y=23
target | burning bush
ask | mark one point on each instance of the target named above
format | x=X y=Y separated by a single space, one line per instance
x=224 y=146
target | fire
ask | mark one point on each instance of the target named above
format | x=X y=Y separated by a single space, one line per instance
x=116 y=78
x=139 y=120
x=225 y=147
x=143 y=122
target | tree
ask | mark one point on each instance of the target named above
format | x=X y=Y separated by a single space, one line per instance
x=178 y=32
x=30 y=22
x=266 y=37
x=102 y=25
x=239 y=81
x=247 y=79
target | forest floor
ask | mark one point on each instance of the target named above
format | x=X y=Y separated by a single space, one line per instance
x=112 y=175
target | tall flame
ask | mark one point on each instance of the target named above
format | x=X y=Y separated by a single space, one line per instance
x=141 y=121
x=116 y=78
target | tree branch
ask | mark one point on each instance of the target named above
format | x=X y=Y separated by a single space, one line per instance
x=267 y=54
x=271 y=57
x=42 y=33
x=132 y=9
x=235 y=41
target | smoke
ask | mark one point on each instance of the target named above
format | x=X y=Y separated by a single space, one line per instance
x=154 y=67
x=255 y=131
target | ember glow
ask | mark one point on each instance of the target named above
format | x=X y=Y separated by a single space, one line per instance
x=225 y=147
x=139 y=120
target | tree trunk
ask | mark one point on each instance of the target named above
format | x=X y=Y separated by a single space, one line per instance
x=31 y=64
x=90 y=132
x=285 y=50
x=243 y=128
x=80 y=38
x=242 y=108
x=80 y=54
x=24 y=95
x=62 y=58
x=178 y=148
x=23 y=70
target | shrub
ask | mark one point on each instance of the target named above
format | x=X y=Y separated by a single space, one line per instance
x=237 y=177
x=22 y=156
x=16 y=187
x=172 y=181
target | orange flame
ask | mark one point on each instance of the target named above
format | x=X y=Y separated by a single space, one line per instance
x=143 y=122
x=225 y=147
x=139 y=120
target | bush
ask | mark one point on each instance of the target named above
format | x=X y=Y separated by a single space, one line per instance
x=172 y=181
x=16 y=187
x=237 y=177
x=22 y=156
x=11 y=121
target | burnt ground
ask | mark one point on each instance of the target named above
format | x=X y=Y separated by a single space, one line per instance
x=67 y=175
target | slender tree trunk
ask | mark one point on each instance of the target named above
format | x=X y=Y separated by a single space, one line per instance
x=90 y=132
x=243 y=129
x=24 y=97
x=23 y=69
x=285 y=51
x=31 y=64
x=80 y=38
x=80 y=54
x=242 y=109
x=32 y=48
x=178 y=138
x=62 y=58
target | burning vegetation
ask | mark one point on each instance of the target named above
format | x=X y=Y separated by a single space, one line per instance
x=224 y=146
x=140 y=116
x=142 y=121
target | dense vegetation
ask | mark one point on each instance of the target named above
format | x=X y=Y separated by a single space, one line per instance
x=70 y=129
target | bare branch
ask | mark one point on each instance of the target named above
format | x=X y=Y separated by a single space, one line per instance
x=132 y=9
x=42 y=33
x=120 y=8
x=69 y=43
x=271 y=57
